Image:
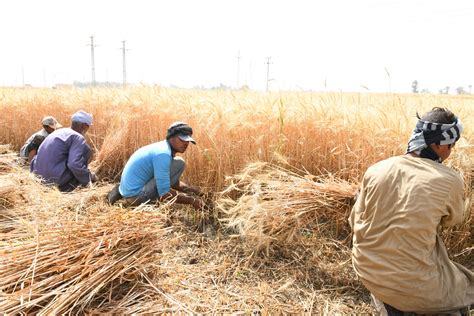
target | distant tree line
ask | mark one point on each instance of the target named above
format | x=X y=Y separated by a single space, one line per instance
x=106 y=84
x=445 y=90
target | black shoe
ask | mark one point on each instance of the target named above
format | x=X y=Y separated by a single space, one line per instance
x=114 y=195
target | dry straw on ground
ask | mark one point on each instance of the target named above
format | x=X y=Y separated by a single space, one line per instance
x=68 y=253
x=72 y=253
x=271 y=206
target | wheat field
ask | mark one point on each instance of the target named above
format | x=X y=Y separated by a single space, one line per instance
x=185 y=268
x=339 y=133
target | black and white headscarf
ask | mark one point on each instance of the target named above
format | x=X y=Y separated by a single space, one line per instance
x=426 y=133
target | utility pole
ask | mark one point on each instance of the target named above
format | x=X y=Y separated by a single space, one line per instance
x=250 y=82
x=389 y=80
x=92 y=61
x=238 y=69
x=23 y=76
x=268 y=70
x=124 y=65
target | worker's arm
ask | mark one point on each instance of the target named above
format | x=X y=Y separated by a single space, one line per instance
x=32 y=147
x=161 y=167
x=186 y=188
x=31 y=154
x=206 y=198
x=182 y=199
x=77 y=161
x=454 y=204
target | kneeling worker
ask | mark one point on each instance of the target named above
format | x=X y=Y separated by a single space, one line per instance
x=404 y=200
x=152 y=173
x=29 y=149
x=63 y=157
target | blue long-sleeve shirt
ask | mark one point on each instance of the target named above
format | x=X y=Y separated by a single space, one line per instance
x=151 y=161
x=63 y=156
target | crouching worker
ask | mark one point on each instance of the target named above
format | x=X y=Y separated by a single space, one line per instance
x=153 y=172
x=64 y=155
x=397 y=250
x=30 y=148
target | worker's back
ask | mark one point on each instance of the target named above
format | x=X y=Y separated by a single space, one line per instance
x=397 y=252
x=62 y=156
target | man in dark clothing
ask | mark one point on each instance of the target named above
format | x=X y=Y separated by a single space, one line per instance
x=30 y=148
x=63 y=157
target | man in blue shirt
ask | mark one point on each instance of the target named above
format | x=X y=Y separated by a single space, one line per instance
x=64 y=155
x=152 y=173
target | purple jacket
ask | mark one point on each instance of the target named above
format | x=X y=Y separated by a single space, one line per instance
x=62 y=158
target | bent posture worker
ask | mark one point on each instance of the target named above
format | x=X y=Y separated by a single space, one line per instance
x=153 y=172
x=64 y=155
x=397 y=251
x=30 y=148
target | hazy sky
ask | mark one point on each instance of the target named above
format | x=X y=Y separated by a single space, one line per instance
x=348 y=45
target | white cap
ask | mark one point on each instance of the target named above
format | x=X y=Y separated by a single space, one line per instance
x=82 y=117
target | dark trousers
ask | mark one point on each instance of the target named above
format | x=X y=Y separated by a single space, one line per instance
x=392 y=311
x=69 y=186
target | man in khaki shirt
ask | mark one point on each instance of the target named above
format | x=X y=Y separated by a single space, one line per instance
x=397 y=252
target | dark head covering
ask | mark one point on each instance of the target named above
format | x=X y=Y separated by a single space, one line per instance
x=182 y=130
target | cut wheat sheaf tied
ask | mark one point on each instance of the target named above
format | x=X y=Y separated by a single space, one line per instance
x=270 y=206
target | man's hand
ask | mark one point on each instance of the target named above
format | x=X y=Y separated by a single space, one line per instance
x=198 y=204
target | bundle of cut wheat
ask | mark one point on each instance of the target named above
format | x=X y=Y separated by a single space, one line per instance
x=69 y=266
x=5 y=149
x=460 y=239
x=7 y=158
x=9 y=165
x=275 y=205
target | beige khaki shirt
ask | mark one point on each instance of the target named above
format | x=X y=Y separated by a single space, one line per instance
x=397 y=252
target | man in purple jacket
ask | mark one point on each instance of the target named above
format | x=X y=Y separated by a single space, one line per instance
x=64 y=155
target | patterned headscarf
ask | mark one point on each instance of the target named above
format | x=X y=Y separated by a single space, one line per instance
x=426 y=133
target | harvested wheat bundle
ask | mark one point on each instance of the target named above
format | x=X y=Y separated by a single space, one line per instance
x=7 y=196
x=6 y=186
x=460 y=238
x=69 y=265
x=276 y=206
x=11 y=171
x=23 y=194
x=7 y=159
x=5 y=149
